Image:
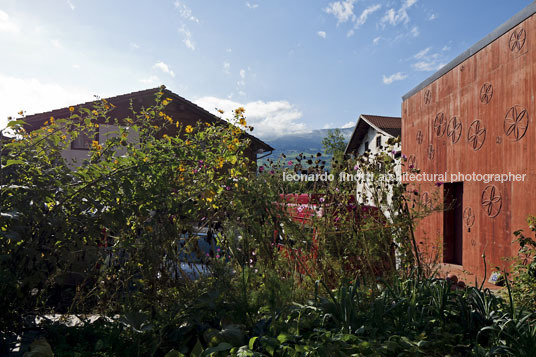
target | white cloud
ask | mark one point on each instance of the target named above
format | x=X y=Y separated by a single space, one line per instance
x=187 y=37
x=376 y=40
x=164 y=68
x=242 y=81
x=34 y=96
x=415 y=31
x=427 y=66
x=432 y=17
x=365 y=14
x=270 y=119
x=342 y=10
x=76 y=66
x=134 y=45
x=350 y=124
x=395 y=17
x=71 y=5
x=226 y=67
x=56 y=43
x=251 y=6
x=358 y=21
x=150 y=80
x=6 y=24
x=422 y=53
x=428 y=61
x=185 y=11
x=394 y=77
x=321 y=34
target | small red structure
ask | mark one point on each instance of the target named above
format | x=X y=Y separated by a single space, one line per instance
x=303 y=208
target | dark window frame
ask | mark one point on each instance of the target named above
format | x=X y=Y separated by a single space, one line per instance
x=89 y=141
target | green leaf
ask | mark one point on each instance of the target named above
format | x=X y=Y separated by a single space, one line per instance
x=173 y=353
x=198 y=349
x=13 y=123
x=13 y=162
x=252 y=342
x=224 y=346
x=283 y=337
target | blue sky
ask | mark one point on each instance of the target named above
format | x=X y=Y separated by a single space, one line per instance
x=295 y=65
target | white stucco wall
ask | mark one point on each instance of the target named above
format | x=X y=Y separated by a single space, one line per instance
x=363 y=189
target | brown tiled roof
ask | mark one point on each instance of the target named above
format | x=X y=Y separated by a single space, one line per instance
x=143 y=97
x=389 y=125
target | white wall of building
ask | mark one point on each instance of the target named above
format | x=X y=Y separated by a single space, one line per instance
x=75 y=157
x=372 y=142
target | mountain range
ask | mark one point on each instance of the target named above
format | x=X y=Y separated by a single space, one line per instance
x=308 y=143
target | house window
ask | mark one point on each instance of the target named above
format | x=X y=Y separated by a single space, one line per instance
x=378 y=141
x=84 y=140
x=366 y=145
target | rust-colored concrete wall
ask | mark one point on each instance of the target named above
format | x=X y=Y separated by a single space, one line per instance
x=478 y=118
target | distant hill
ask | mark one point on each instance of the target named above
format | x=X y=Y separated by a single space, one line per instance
x=308 y=143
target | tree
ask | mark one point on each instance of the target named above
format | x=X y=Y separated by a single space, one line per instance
x=334 y=145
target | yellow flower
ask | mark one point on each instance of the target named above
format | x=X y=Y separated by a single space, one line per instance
x=235 y=141
x=169 y=99
x=165 y=136
x=181 y=168
x=95 y=143
x=187 y=142
x=231 y=147
x=207 y=124
x=220 y=162
x=149 y=229
x=177 y=124
x=145 y=159
x=243 y=122
x=221 y=111
x=160 y=114
x=116 y=162
x=63 y=137
x=189 y=129
x=209 y=199
x=96 y=125
x=51 y=120
x=95 y=112
x=71 y=109
x=165 y=102
x=45 y=123
x=50 y=130
x=21 y=112
x=240 y=110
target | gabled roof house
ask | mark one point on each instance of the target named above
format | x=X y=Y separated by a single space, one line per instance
x=371 y=132
x=179 y=109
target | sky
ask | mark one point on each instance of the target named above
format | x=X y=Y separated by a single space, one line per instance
x=295 y=65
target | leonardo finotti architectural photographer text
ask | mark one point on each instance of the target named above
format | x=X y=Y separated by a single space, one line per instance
x=405 y=177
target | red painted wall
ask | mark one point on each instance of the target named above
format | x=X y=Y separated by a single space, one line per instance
x=478 y=117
